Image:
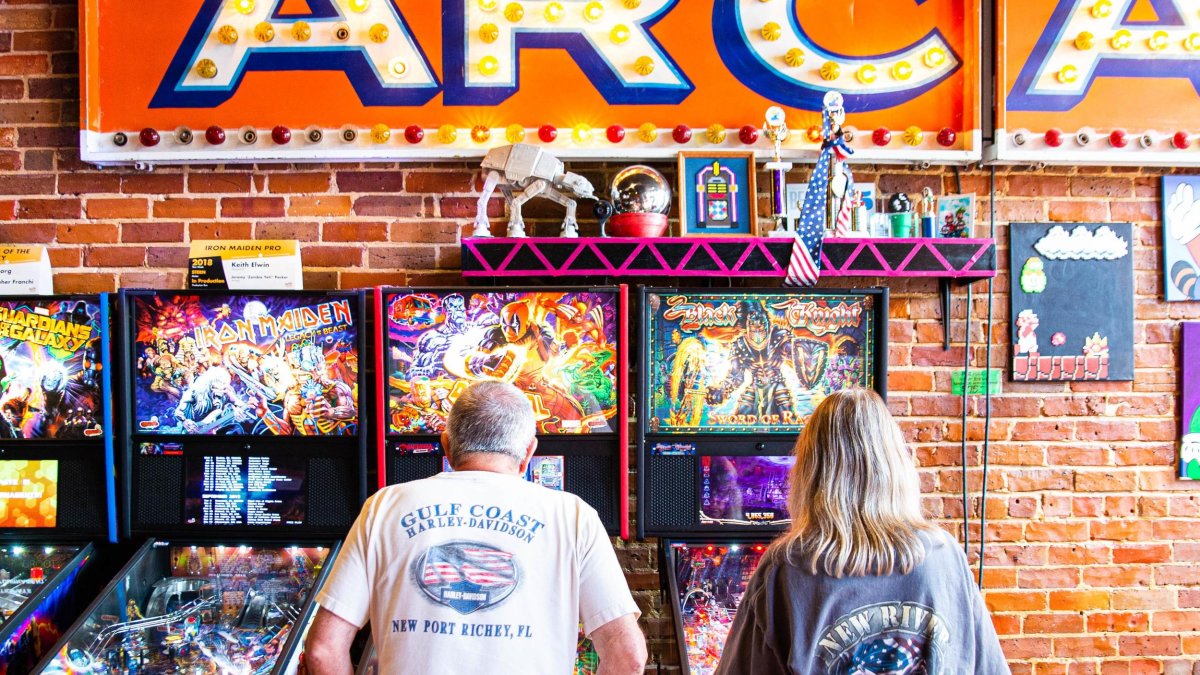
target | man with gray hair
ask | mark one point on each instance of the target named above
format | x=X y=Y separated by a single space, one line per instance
x=476 y=570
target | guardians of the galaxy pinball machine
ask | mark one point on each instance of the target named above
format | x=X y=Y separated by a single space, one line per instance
x=196 y=609
x=562 y=347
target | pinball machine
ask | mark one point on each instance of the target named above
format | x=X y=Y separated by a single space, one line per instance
x=564 y=347
x=57 y=487
x=727 y=380
x=245 y=455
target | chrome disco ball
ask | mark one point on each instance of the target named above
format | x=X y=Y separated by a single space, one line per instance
x=640 y=189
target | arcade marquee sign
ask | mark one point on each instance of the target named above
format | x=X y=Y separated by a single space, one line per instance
x=224 y=81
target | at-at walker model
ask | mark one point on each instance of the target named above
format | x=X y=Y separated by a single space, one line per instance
x=522 y=172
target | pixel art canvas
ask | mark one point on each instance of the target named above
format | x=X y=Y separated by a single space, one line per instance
x=282 y=365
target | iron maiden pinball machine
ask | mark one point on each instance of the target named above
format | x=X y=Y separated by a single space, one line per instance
x=564 y=347
x=245 y=465
x=728 y=378
x=57 y=486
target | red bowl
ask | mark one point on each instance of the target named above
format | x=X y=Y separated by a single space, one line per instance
x=636 y=225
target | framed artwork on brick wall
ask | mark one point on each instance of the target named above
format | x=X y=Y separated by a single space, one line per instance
x=1189 y=377
x=1181 y=237
x=1072 y=301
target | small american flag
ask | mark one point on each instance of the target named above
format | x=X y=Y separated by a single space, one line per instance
x=804 y=269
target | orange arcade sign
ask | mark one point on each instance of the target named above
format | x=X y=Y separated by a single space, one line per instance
x=326 y=80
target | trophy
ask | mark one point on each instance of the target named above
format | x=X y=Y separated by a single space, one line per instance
x=777 y=131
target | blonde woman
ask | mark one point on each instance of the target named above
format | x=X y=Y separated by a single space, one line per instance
x=861 y=583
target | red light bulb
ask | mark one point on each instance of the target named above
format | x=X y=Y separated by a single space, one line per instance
x=1118 y=138
x=881 y=136
x=1181 y=140
x=748 y=135
x=149 y=137
x=414 y=134
x=1054 y=138
x=215 y=135
x=547 y=133
x=682 y=133
x=946 y=137
x=615 y=133
x=281 y=135
x=710 y=548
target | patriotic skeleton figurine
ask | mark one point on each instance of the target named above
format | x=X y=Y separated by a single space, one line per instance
x=828 y=199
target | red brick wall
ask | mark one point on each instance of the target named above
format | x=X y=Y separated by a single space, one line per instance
x=1093 y=544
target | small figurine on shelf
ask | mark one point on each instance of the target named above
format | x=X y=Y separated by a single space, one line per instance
x=900 y=212
x=528 y=171
x=927 y=212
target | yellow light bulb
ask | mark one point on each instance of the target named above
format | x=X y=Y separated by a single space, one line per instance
x=264 y=31
x=771 y=31
x=489 y=66
x=379 y=33
x=1101 y=9
x=648 y=133
x=514 y=12
x=593 y=11
x=794 y=57
x=398 y=67
x=1085 y=41
x=632 y=4
x=643 y=66
x=228 y=35
x=489 y=33
x=914 y=136
x=481 y=134
x=447 y=134
x=716 y=134
x=1068 y=74
x=554 y=12
x=489 y=5
x=867 y=74
x=206 y=68
x=1192 y=42
x=243 y=6
x=515 y=133
x=830 y=71
x=581 y=133
x=359 y=5
x=619 y=34
x=902 y=70
x=1122 y=39
x=381 y=133
x=1159 y=40
x=935 y=57
x=813 y=134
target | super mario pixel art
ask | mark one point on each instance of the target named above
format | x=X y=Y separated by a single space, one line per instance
x=50 y=369
x=753 y=362
x=558 y=347
x=245 y=365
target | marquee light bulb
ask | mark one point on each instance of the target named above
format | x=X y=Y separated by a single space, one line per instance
x=228 y=35
x=206 y=68
x=643 y=66
x=771 y=31
x=581 y=133
x=489 y=33
x=243 y=6
x=1192 y=42
x=381 y=133
x=619 y=34
x=447 y=134
x=682 y=134
x=554 y=12
x=1159 y=40
x=515 y=133
x=914 y=136
x=794 y=57
x=359 y=5
x=1122 y=39
x=946 y=137
x=149 y=138
x=379 y=33
x=935 y=57
x=813 y=134
x=398 y=67
x=830 y=71
x=615 y=133
x=481 y=134
x=748 y=134
x=648 y=132
x=547 y=133
x=489 y=66
x=215 y=135
x=1101 y=9
x=881 y=136
x=1085 y=41
x=632 y=4
x=301 y=31
x=716 y=134
x=264 y=31
x=281 y=135
x=593 y=11
x=414 y=134
x=1068 y=74
x=867 y=74
x=341 y=32
x=488 y=5
x=514 y=12
x=902 y=70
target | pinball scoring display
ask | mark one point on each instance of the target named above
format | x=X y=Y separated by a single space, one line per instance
x=231 y=490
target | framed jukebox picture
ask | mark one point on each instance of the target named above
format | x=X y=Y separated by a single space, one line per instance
x=717 y=194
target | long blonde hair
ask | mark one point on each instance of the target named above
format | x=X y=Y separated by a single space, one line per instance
x=855 y=499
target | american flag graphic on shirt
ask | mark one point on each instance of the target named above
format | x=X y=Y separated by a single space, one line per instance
x=467 y=576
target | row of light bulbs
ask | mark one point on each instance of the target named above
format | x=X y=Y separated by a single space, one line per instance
x=515 y=133
x=1118 y=138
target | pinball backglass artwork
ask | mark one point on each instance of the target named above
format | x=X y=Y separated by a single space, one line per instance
x=754 y=362
x=258 y=365
x=559 y=347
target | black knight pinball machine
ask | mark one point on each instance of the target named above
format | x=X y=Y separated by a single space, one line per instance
x=245 y=458
x=728 y=379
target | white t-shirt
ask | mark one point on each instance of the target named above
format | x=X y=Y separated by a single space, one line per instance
x=474 y=572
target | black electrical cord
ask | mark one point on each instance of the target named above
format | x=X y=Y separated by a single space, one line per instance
x=965 y=390
x=987 y=382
